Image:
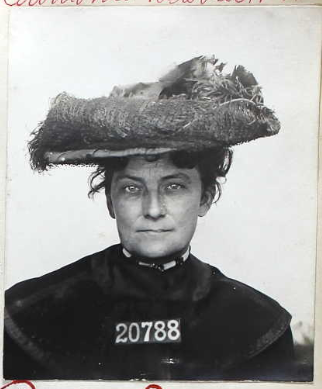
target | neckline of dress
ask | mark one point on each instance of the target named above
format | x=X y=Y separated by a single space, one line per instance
x=163 y=266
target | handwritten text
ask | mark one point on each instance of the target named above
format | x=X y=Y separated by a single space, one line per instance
x=32 y=3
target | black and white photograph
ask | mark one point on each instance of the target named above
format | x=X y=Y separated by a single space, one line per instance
x=161 y=194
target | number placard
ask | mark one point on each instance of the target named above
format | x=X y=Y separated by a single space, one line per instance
x=154 y=331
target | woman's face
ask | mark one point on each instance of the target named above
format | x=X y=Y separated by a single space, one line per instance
x=156 y=206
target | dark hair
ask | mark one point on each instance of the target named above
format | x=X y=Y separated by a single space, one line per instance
x=212 y=165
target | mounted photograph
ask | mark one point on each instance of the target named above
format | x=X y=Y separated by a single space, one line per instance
x=161 y=207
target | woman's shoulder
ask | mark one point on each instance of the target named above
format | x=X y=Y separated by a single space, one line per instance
x=243 y=297
x=237 y=297
x=249 y=321
x=53 y=285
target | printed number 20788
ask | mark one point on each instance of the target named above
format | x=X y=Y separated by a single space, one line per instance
x=156 y=331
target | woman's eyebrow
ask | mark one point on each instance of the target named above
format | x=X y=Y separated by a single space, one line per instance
x=165 y=178
x=129 y=177
x=176 y=176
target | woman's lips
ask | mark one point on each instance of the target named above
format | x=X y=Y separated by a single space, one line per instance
x=155 y=231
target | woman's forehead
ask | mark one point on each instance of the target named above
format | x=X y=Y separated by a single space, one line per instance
x=159 y=166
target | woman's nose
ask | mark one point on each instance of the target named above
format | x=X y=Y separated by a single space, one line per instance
x=154 y=206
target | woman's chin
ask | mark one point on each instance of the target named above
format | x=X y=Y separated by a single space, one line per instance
x=153 y=252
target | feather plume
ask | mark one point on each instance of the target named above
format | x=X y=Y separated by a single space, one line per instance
x=193 y=107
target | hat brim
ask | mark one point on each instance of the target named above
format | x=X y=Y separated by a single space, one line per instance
x=92 y=156
x=80 y=131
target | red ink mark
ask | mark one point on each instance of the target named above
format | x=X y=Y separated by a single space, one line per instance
x=201 y=2
x=153 y=386
x=15 y=382
x=32 y=3
x=17 y=3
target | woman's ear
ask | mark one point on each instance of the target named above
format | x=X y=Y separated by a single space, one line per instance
x=110 y=207
x=205 y=203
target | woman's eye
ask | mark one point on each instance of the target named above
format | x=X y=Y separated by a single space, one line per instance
x=133 y=189
x=174 y=187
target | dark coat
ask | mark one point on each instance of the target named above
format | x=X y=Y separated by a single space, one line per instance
x=62 y=325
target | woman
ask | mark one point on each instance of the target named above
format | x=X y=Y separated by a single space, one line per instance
x=147 y=308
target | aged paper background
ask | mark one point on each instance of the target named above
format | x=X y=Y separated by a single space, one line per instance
x=38 y=115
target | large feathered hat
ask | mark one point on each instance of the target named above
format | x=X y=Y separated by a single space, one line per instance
x=196 y=106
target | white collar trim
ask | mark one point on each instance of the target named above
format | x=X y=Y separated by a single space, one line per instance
x=164 y=266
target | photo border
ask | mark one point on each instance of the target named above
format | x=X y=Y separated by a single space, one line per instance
x=4 y=29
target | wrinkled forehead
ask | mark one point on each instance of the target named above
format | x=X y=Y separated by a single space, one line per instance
x=155 y=167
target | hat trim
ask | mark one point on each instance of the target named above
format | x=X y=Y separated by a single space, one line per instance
x=196 y=106
x=73 y=156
